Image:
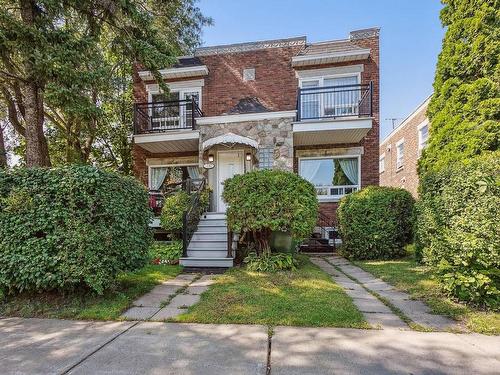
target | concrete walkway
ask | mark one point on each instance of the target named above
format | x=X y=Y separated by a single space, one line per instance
x=169 y=299
x=352 y=278
x=44 y=346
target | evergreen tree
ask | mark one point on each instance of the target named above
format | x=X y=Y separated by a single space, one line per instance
x=465 y=108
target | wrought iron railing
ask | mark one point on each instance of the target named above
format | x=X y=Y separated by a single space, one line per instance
x=160 y=117
x=315 y=103
x=191 y=216
x=157 y=197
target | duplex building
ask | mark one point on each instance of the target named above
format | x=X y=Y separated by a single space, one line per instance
x=401 y=149
x=311 y=108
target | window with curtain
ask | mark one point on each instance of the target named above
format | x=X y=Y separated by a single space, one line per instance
x=162 y=176
x=332 y=177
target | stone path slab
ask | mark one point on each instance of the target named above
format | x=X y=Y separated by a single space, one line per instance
x=415 y=310
x=170 y=299
x=321 y=351
x=374 y=311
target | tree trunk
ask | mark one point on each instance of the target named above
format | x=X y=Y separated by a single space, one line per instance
x=37 y=151
x=3 y=151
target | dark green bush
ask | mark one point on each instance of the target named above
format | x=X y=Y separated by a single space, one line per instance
x=264 y=201
x=162 y=253
x=174 y=207
x=376 y=223
x=270 y=262
x=458 y=228
x=71 y=227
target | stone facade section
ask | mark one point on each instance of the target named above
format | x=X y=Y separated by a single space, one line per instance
x=275 y=133
x=407 y=176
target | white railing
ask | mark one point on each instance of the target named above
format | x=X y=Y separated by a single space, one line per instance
x=326 y=192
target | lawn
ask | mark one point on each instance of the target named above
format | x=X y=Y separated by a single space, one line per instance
x=81 y=305
x=305 y=297
x=405 y=274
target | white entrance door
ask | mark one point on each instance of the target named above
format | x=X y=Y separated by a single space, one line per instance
x=229 y=163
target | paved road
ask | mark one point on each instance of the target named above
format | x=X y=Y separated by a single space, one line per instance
x=44 y=346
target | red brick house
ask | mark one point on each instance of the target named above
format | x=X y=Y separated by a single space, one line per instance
x=401 y=149
x=312 y=108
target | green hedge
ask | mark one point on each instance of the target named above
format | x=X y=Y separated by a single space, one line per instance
x=71 y=227
x=264 y=201
x=458 y=228
x=376 y=222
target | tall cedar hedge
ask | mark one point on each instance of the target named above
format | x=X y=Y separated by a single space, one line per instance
x=72 y=227
x=458 y=231
x=376 y=223
x=465 y=108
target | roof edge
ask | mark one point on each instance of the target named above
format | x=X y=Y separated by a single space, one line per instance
x=250 y=46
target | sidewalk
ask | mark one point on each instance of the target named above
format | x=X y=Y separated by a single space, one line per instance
x=44 y=346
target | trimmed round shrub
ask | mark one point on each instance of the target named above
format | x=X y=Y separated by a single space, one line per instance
x=72 y=227
x=264 y=201
x=376 y=222
x=458 y=228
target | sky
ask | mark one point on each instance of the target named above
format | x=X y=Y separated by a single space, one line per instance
x=410 y=37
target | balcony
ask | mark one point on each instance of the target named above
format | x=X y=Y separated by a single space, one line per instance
x=167 y=126
x=335 y=114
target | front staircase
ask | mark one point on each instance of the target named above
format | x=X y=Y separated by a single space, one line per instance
x=208 y=247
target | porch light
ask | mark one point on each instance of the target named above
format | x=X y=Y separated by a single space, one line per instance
x=248 y=156
x=211 y=158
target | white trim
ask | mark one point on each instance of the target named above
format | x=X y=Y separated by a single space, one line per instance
x=328 y=58
x=176 y=86
x=333 y=124
x=171 y=135
x=323 y=198
x=166 y=166
x=223 y=119
x=312 y=73
x=188 y=71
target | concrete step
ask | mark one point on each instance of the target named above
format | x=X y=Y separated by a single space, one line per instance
x=214 y=216
x=211 y=229
x=206 y=262
x=209 y=236
x=212 y=223
x=206 y=253
x=209 y=245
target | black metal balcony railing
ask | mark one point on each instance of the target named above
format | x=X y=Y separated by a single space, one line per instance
x=163 y=116
x=335 y=101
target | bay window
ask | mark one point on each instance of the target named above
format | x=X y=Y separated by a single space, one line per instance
x=333 y=177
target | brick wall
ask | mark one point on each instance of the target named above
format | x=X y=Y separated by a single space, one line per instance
x=405 y=177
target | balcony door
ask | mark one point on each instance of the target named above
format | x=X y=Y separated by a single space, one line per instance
x=173 y=110
x=330 y=97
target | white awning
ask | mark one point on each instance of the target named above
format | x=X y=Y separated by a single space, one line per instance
x=229 y=139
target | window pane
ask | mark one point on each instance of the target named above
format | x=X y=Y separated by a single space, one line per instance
x=317 y=171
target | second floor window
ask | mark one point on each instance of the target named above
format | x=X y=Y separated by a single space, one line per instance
x=333 y=177
x=329 y=97
x=381 y=163
x=173 y=110
x=400 y=147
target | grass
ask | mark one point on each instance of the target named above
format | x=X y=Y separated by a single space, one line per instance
x=109 y=306
x=305 y=297
x=406 y=275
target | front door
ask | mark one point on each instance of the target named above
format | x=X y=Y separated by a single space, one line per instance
x=229 y=163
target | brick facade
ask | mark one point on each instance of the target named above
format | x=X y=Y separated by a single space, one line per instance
x=275 y=86
x=405 y=177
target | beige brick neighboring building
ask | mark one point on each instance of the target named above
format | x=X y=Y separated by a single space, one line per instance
x=400 y=150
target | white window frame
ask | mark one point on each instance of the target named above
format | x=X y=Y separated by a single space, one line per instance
x=400 y=158
x=381 y=163
x=419 y=132
x=182 y=90
x=334 y=198
x=166 y=166
x=321 y=80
